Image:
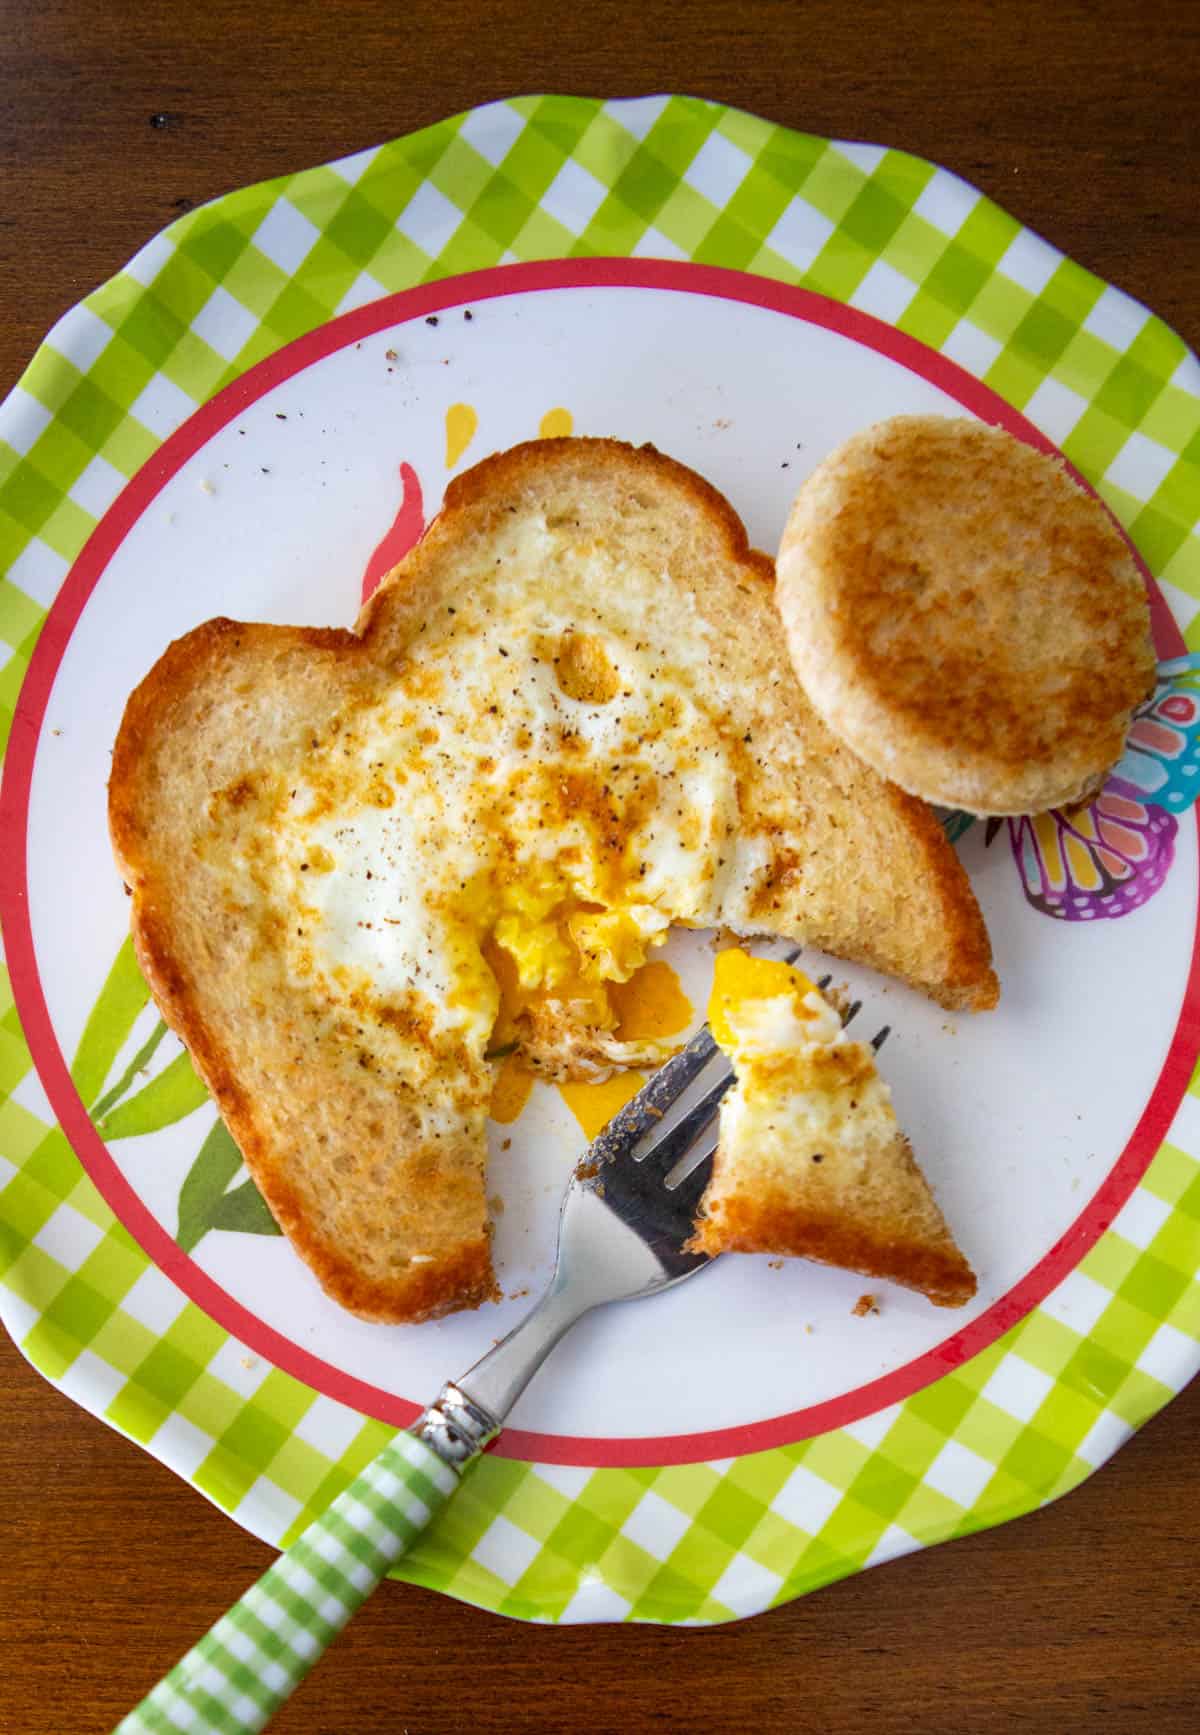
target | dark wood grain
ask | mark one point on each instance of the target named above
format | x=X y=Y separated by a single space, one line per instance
x=1081 y=120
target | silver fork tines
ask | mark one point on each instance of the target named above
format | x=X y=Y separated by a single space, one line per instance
x=649 y=1112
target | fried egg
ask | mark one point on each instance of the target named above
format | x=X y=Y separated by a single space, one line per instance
x=486 y=849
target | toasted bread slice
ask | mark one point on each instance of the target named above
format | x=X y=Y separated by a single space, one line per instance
x=964 y=616
x=566 y=720
x=811 y=1162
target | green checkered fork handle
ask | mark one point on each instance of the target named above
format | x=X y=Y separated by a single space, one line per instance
x=627 y=1214
x=255 y=1656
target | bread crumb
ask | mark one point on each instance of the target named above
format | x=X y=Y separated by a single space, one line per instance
x=809 y=1330
x=206 y=486
x=506 y=1145
x=248 y=1362
x=864 y=1305
x=390 y=355
x=496 y=1205
x=775 y=1264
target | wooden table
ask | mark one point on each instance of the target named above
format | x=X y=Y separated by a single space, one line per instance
x=1081 y=120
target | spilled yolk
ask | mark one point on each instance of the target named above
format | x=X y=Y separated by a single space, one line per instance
x=570 y=958
x=650 y=1004
x=738 y=978
x=511 y=1091
x=594 y=1105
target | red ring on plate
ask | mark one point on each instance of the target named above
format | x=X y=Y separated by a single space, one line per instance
x=82 y=579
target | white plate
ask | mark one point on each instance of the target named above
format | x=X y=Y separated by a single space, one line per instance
x=271 y=511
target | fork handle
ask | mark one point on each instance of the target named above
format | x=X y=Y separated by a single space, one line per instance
x=493 y=1385
x=239 y=1674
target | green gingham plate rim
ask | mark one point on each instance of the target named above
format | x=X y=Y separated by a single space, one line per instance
x=544 y=177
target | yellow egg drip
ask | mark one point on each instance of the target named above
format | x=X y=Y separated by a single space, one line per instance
x=594 y=1105
x=511 y=1091
x=650 y=1004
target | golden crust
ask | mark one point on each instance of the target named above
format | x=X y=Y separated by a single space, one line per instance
x=965 y=616
x=340 y=1151
x=774 y=1222
x=191 y=682
x=462 y=1276
x=812 y=1164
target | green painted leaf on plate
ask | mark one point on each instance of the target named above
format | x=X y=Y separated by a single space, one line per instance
x=203 y=1202
x=111 y=1019
x=217 y=1162
x=245 y=1209
x=140 y=1063
x=173 y=1093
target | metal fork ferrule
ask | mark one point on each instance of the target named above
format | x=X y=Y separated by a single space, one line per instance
x=455 y=1428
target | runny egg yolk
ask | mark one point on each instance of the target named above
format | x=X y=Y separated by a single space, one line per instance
x=739 y=979
x=544 y=944
x=594 y=1105
x=651 y=1004
x=647 y=1006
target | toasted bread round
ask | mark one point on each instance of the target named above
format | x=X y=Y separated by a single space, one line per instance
x=964 y=616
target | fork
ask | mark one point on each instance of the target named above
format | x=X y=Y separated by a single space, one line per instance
x=626 y=1218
